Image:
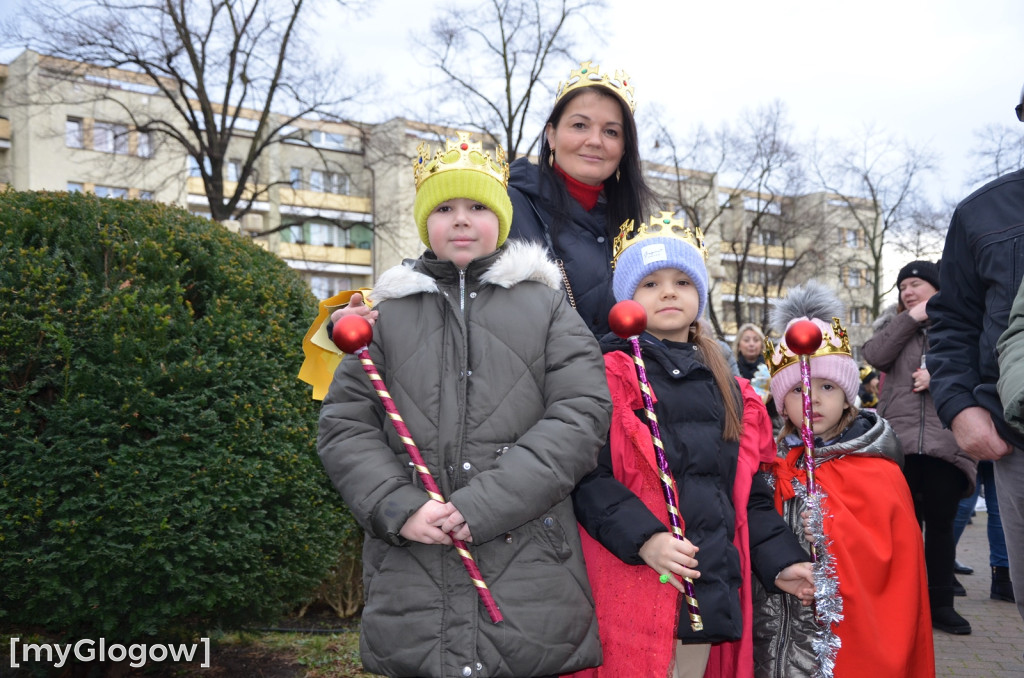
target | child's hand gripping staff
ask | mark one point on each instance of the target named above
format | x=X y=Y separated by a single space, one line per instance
x=804 y=338
x=628 y=319
x=352 y=334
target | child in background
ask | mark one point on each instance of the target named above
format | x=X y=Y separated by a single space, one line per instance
x=871 y=615
x=501 y=386
x=715 y=433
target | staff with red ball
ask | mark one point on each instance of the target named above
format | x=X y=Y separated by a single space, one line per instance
x=352 y=334
x=628 y=320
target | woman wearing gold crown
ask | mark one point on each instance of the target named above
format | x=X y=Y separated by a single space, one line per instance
x=589 y=181
x=871 y=615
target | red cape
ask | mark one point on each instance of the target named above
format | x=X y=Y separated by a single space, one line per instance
x=886 y=628
x=637 y=614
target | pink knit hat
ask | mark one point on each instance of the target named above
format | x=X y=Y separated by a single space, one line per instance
x=833 y=360
x=839 y=368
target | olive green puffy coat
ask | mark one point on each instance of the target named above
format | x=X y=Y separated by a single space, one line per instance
x=503 y=389
x=1011 y=365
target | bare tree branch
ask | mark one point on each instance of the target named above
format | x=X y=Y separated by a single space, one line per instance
x=496 y=55
x=230 y=71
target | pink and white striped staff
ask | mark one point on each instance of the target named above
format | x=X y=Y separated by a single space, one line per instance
x=352 y=334
x=628 y=319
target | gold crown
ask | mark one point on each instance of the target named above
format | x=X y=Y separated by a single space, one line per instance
x=588 y=75
x=461 y=154
x=663 y=226
x=834 y=341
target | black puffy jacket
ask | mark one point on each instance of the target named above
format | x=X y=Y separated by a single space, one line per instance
x=981 y=271
x=690 y=413
x=583 y=246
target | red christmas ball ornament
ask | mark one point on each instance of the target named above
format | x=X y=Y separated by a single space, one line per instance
x=803 y=337
x=627 y=318
x=352 y=333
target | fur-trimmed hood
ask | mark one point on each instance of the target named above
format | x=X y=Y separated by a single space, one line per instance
x=885 y=317
x=512 y=263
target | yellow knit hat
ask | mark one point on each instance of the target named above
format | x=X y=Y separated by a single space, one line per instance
x=461 y=170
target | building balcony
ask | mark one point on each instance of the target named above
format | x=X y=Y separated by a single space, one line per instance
x=324 y=253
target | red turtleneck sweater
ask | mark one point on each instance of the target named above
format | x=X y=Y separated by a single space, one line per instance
x=585 y=194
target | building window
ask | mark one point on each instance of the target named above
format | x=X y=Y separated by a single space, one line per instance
x=75 y=187
x=296 y=178
x=110 y=137
x=111 y=192
x=193 y=167
x=233 y=169
x=316 y=181
x=145 y=195
x=768 y=238
x=339 y=183
x=73 y=137
x=851 y=277
x=324 y=286
x=145 y=146
x=328 y=140
x=849 y=237
x=330 y=234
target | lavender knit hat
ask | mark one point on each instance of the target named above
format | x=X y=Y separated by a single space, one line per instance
x=640 y=260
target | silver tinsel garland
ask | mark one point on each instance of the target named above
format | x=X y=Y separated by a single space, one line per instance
x=828 y=604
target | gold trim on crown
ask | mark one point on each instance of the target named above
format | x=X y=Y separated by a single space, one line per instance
x=834 y=341
x=589 y=74
x=659 y=226
x=460 y=154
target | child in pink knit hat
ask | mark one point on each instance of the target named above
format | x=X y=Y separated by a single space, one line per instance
x=871 y=614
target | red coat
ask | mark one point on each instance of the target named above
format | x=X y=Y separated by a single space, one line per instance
x=637 y=614
x=879 y=561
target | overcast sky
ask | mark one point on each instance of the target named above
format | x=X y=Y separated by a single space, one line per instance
x=931 y=72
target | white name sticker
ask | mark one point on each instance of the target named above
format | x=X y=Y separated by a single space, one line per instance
x=652 y=253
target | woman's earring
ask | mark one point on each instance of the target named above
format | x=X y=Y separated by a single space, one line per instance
x=551 y=159
x=618 y=174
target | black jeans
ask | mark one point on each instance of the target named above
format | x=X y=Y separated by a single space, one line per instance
x=936 y=487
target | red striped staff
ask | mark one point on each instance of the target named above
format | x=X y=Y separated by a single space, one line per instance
x=628 y=319
x=352 y=334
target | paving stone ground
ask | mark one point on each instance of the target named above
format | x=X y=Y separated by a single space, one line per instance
x=993 y=649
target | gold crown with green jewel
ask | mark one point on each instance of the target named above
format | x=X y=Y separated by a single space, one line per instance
x=589 y=75
x=659 y=226
x=460 y=154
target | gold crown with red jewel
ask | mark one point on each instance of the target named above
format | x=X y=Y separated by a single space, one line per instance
x=460 y=154
x=589 y=75
x=659 y=226
x=834 y=341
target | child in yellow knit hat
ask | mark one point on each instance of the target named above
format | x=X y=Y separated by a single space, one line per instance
x=502 y=387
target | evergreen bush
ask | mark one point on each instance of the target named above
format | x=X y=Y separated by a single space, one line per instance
x=158 y=472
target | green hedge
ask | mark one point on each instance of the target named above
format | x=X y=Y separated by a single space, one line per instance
x=158 y=471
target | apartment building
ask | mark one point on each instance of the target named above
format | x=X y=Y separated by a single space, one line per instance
x=761 y=245
x=334 y=199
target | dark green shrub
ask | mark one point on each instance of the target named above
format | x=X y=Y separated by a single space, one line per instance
x=158 y=471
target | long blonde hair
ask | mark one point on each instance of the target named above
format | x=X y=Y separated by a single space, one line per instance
x=711 y=352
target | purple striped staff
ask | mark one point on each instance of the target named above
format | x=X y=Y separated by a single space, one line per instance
x=352 y=334
x=803 y=338
x=628 y=319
